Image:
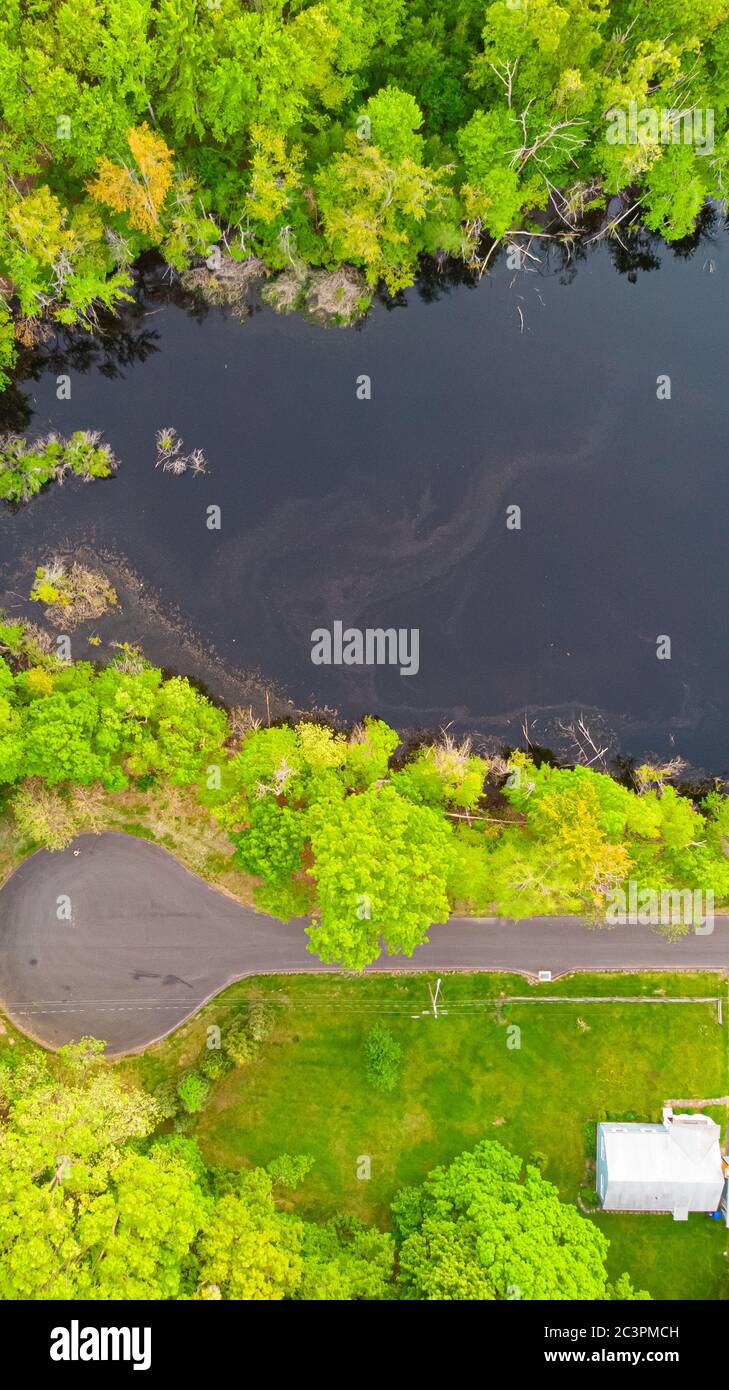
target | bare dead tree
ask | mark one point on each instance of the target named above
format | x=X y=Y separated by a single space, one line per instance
x=554 y=136
x=281 y=775
x=584 y=748
x=241 y=722
x=506 y=72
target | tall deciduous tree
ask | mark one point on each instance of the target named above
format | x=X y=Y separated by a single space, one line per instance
x=482 y=1229
x=137 y=188
x=249 y=1250
x=380 y=867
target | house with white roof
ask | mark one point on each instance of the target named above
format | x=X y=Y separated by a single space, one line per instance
x=674 y=1166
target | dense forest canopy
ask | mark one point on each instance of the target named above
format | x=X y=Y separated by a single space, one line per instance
x=357 y=131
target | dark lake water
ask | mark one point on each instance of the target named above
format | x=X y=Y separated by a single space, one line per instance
x=392 y=512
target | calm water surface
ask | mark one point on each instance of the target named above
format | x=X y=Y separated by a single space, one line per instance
x=392 y=512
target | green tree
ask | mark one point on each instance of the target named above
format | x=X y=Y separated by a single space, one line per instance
x=137 y=1236
x=194 y=1092
x=59 y=739
x=249 y=1250
x=443 y=774
x=383 y=1055
x=271 y=845
x=289 y=1170
x=480 y=1229
x=342 y=1260
x=380 y=866
x=61 y=1141
x=379 y=211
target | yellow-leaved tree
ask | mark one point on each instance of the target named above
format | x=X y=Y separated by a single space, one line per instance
x=138 y=188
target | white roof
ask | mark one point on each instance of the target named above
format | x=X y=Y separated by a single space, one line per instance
x=666 y=1166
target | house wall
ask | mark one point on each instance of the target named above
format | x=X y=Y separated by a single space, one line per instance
x=601 y=1176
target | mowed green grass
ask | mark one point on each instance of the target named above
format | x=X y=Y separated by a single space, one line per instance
x=464 y=1079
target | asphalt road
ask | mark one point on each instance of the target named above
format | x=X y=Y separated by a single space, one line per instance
x=146 y=943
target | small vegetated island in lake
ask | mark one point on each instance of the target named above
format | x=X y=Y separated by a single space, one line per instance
x=71 y=594
x=26 y=468
x=304 y=139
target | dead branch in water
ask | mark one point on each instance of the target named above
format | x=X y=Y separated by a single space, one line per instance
x=584 y=747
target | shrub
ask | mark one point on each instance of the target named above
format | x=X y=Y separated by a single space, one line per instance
x=251 y=1027
x=52 y=817
x=292 y=899
x=194 y=1092
x=168 y=1099
x=289 y=1170
x=272 y=844
x=384 y=1058
x=214 y=1064
x=237 y=1042
x=45 y=814
x=260 y=1020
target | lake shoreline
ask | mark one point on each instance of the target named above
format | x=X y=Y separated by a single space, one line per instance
x=144 y=619
x=387 y=510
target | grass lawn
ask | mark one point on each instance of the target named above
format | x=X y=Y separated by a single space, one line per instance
x=464 y=1079
x=670 y=1259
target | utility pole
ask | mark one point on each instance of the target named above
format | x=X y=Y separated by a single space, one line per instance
x=434 y=997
